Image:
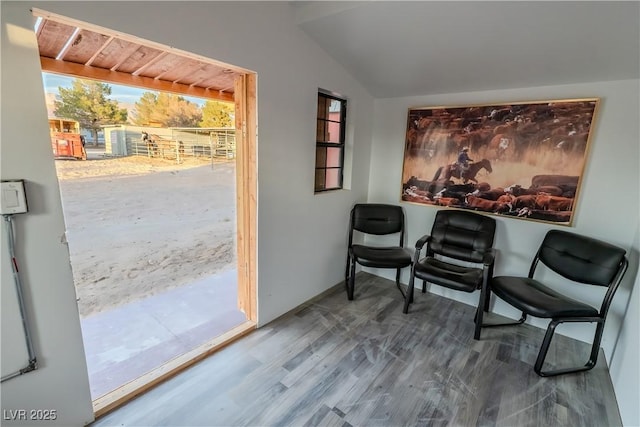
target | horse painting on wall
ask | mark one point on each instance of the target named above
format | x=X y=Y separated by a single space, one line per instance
x=522 y=159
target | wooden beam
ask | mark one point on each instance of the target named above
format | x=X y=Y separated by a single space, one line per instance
x=39 y=25
x=68 y=44
x=50 y=65
x=251 y=175
x=188 y=70
x=246 y=193
x=149 y=64
x=242 y=236
x=124 y=56
x=95 y=55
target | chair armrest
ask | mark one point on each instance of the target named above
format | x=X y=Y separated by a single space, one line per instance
x=489 y=257
x=421 y=242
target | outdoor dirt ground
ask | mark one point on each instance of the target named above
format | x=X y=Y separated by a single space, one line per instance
x=137 y=226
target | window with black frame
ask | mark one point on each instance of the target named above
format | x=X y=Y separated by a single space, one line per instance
x=330 y=136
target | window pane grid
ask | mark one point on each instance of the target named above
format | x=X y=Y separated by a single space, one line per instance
x=330 y=137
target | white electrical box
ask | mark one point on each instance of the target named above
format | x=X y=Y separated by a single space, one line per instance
x=14 y=200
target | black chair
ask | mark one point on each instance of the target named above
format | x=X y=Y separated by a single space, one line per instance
x=460 y=235
x=581 y=260
x=378 y=219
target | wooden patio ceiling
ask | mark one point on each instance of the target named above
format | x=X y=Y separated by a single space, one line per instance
x=95 y=53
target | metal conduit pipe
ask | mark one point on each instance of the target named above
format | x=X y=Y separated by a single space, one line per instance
x=32 y=364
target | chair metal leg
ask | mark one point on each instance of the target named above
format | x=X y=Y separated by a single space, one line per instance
x=424 y=286
x=546 y=342
x=482 y=303
x=398 y=283
x=352 y=279
x=595 y=347
x=478 y=322
x=487 y=301
x=408 y=299
x=346 y=274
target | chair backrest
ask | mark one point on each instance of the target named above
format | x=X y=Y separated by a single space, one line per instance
x=580 y=258
x=463 y=235
x=375 y=218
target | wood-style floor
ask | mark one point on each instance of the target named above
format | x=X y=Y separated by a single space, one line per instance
x=344 y=363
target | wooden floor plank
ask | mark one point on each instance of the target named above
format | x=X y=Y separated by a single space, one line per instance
x=335 y=362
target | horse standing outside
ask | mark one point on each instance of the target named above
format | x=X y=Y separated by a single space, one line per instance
x=152 y=147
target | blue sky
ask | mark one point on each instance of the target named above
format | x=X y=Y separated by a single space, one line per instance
x=123 y=94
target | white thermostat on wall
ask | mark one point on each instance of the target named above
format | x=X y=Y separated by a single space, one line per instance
x=14 y=200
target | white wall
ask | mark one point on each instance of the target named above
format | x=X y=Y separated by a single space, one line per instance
x=608 y=206
x=302 y=236
x=625 y=362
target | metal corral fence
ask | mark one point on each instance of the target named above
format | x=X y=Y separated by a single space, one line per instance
x=170 y=143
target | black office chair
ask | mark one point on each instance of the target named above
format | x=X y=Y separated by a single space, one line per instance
x=460 y=235
x=579 y=259
x=378 y=219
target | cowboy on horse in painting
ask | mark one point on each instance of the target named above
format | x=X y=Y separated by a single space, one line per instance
x=463 y=162
x=457 y=170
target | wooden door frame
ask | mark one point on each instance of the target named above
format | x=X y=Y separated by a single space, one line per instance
x=246 y=192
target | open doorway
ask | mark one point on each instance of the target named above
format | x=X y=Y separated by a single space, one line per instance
x=140 y=200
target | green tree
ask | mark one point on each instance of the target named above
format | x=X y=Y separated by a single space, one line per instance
x=87 y=102
x=166 y=110
x=217 y=114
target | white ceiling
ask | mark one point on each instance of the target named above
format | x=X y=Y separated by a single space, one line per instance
x=399 y=48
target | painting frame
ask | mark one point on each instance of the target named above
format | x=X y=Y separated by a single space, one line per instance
x=523 y=159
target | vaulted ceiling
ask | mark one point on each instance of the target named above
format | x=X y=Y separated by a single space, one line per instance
x=402 y=48
x=394 y=48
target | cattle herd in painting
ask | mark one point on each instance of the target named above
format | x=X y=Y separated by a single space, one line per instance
x=523 y=159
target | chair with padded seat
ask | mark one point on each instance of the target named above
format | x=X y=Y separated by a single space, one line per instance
x=581 y=261
x=376 y=219
x=456 y=235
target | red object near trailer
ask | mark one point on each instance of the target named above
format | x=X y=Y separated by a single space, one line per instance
x=66 y=141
